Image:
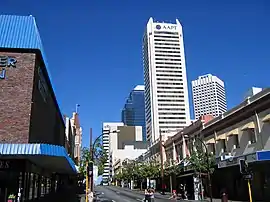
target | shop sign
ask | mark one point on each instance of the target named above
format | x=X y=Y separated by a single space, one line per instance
x=4 y=164
x=235 y=161
x=6 y=62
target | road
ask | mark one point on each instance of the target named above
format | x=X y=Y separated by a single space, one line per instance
x=115 y=194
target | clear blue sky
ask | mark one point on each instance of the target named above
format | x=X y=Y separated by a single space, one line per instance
x=94 y=47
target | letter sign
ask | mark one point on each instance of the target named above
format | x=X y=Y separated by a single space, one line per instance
x=6 y=62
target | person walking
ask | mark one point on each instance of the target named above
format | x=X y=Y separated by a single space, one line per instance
x=152 y=195
x=146 y=195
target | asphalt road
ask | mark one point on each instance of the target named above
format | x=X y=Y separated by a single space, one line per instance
x=115 y=194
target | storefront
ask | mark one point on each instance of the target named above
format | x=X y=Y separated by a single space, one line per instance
x=33 y=170
x=228 y=176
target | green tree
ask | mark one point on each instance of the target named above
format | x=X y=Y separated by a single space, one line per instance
x=100 y=157
x=198 y=162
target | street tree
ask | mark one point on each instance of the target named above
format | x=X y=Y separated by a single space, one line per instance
x=100 y=157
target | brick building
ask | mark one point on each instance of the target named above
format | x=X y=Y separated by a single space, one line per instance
x=32 y=129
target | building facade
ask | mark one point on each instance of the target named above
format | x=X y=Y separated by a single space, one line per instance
x=240 y=133
x=133 y=113
x=209 y=96
x=77 y=134
x=165 y=79
x=109 y=141
x=121 y=142
x=32 y=128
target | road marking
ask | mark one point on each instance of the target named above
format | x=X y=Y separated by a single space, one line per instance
x=113 y=201
x=139 y=199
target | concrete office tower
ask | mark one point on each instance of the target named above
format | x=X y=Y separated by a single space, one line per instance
x=133 y=113
x=208 y=96
x=165 y=79
x=109 y=141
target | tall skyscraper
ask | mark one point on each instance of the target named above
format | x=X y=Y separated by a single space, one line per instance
x=166 y=91
x=208 y=96
x=133 y=113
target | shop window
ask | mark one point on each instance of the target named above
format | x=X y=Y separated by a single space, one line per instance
x=223 y=146
x=252 y=136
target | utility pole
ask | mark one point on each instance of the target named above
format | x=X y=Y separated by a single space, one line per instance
x=86 y=182
x=161 y=159
x=92 y=159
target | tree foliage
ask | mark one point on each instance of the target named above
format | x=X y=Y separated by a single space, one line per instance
x=139 y=171
x=172 y=167
x=100 y=157
x=198 y=161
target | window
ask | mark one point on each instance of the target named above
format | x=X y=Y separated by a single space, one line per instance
x=252 y=136
x=236 y=141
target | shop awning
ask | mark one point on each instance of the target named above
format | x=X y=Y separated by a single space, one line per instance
x=249 y=125
x=51 y=157
x=221 y=137
x=233 y=132
x=210 y=141
x=266 y=118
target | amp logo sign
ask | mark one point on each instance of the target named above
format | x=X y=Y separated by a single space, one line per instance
x=6 y=62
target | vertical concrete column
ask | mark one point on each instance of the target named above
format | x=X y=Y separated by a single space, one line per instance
x=174 y=152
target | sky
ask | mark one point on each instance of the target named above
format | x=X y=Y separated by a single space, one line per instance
x=94 y=48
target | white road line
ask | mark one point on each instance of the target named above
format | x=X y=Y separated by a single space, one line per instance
x=113 y=201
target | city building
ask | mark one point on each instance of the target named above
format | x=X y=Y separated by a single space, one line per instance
x=109 y=141
x=242 y=132
x=133 y=113
x=32 y=129
x=252 y=91
x=209 y=96
x=69 y=140
x=165 y=79
x=77 y=134
x=73 y=137
x=121 y=142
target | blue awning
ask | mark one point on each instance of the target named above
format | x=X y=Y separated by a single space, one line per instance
x=45 y=155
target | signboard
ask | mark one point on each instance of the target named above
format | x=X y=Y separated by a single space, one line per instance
x=5 y=63
x=235 y=160
x=166 y=27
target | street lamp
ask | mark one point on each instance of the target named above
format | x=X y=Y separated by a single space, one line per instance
x=208 y=169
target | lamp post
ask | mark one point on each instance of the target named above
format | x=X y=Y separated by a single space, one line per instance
x=208 y=169
x=161 y=160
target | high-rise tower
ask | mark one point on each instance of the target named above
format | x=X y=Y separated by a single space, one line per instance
x=166 y=91
x=208 y=96
x=133 y=113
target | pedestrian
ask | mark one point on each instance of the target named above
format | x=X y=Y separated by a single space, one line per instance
x=152 y=195
x=146 y=195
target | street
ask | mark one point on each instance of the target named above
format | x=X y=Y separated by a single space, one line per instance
x=117 y=194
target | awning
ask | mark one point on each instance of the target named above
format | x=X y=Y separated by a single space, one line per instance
x=233 y=132
x=266 y=118
x=51 y=157
x=221 y=137
x=210 y=141
x=250 y=125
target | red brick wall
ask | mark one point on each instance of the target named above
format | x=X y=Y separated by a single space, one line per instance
x=15 y=98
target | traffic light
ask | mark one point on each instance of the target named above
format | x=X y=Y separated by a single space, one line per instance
x=90 y=169
x=243 y=166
